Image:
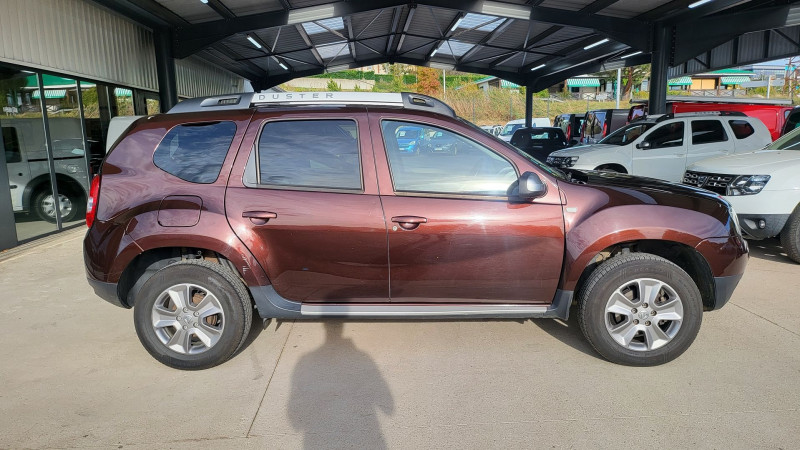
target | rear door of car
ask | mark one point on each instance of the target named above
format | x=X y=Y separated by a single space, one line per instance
x=454 y=237
x=303 y=198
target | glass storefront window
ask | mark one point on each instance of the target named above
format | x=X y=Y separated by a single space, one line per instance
x=124 y=99
x=25 y=152
x=69 y=155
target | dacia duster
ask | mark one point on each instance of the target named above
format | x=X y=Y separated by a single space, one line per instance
x=304 y=206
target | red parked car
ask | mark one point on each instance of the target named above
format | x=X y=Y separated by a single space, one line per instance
x=304 y=206
x=774 y=116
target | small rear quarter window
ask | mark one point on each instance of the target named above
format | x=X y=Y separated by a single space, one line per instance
x=195 y=152
x=741 y=128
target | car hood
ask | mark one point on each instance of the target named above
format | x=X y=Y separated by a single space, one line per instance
x=583 y=149
x=763 y=161
x=646 y=190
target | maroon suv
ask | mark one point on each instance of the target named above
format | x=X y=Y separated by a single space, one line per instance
x=305 y=206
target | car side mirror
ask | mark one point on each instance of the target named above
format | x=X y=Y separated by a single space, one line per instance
x=644 y=145
x=530 y=187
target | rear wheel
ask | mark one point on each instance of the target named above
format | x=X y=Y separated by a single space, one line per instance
x=193 y=314
x=790 y=236
x=44 y=205
x=640 y=309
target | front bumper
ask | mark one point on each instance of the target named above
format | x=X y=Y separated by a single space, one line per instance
x=723 y=289
x=773 y=224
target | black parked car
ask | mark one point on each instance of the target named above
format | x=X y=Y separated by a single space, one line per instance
x=571 y=125
x=539 y=142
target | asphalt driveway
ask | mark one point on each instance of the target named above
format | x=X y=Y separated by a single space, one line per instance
x=73 y=374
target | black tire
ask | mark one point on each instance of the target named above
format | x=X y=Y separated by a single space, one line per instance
x=614 y=274
x=790 y=236
x=232 y=296
x=44 y=197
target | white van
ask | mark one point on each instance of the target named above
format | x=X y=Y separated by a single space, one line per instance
x=662 y=146
x=762 y=186
x=29 y=172
x=514 y=125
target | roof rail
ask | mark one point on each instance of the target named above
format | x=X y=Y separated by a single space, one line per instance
x=700 y=113
x=405 y=100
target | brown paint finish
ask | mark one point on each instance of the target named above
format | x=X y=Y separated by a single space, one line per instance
x=320 y=246
x=342 y=247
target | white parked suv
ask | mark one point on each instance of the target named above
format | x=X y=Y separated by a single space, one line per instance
x=663 y=146
x=514 y=125
x=762 y=186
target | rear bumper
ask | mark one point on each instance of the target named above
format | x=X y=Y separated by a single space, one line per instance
x=723 y=289
x=106 y=291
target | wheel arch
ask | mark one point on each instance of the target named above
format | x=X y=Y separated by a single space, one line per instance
x=681 y=254
x=612 y=166
x=38 y=182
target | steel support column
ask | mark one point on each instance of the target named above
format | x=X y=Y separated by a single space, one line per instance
x=165 y=69
x=662 y=45
x=529 y=105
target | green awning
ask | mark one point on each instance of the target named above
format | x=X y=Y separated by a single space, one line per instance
x=583 y=82
x=508 y=84
x=734 y=80
x=122 y=92
x=51 y=93
x=682 y=81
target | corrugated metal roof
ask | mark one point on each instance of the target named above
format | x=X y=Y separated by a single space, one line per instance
x=583 y=82
x=734 y=80
x=682 y=81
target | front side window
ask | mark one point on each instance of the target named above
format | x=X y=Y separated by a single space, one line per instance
x=627 y=134
x=195 y=151
x=452 y=164
x=314 y=154
x=668 y=135
x=707 y=132
x=11 y=145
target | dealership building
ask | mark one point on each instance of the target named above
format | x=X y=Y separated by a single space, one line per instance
x=66 y=68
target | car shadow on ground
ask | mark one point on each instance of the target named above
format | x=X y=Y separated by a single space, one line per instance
x=568 y=332
x=769 y=249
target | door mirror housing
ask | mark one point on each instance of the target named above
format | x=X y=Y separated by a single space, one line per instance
x=530 y=187
x=644 y=145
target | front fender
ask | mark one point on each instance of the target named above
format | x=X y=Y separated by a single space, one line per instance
x=587 y=237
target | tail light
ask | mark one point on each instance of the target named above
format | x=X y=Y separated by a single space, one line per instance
x=91 y=204
x=605 y=129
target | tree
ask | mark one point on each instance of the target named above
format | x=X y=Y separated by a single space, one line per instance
x=631 y=76
x=333 y=87
x=428 y=81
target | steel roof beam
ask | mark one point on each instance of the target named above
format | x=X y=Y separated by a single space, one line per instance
x=192 y=38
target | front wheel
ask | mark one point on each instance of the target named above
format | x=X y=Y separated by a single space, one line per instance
x=192 y=314
x=639 y=309
x=790 y=236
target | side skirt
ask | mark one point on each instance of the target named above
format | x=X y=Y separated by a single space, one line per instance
x=271 y=305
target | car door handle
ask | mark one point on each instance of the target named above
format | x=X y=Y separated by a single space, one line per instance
x=409 y=222
x=259 y=217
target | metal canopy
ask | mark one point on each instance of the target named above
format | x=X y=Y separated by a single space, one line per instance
x=535 y=43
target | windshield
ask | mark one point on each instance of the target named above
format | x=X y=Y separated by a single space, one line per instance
x=551 y=170
x=510 y=129
x=626 y=134
x=789 y=141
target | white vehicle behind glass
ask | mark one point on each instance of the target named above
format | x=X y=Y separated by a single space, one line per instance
x=514 y=125
x=763 y=186
x=663 y=146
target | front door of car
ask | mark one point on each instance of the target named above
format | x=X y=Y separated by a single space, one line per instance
x=661 y=152
x=306 y=206
x=454 y=237
x=709 y=139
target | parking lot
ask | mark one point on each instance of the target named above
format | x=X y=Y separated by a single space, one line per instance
x=74 y=375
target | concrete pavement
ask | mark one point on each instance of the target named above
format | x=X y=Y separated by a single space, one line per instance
x=73 y=374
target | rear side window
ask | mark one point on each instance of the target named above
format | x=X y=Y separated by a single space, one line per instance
x=315 y=154
x=195 y=152
x=707 y=132
x=741 y=128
